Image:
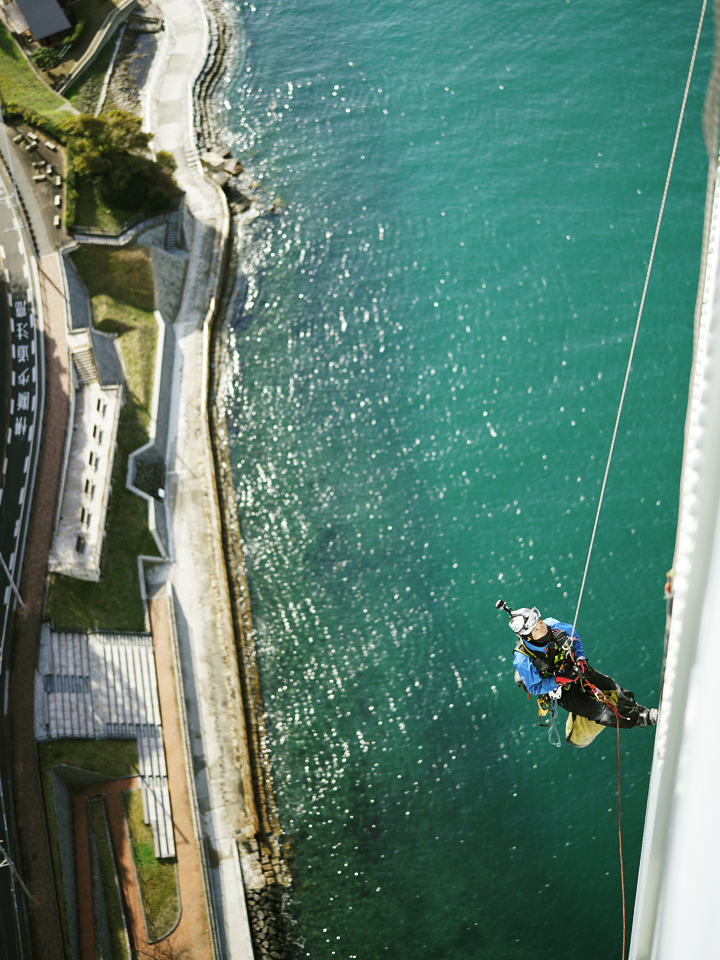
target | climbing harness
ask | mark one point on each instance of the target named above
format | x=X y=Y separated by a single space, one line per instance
x=547 y=712
x=554 y=658
x=599 y=694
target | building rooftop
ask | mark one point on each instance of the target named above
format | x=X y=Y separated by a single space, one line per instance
x=77 y=547
x=44 y=17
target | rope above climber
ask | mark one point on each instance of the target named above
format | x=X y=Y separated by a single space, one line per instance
x=553 y=667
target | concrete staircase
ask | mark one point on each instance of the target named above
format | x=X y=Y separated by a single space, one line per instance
x=104 y=686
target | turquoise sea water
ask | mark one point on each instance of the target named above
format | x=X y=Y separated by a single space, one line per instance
x=426 y=373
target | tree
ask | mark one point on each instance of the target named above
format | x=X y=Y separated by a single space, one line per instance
x=45 y=58
x=165 y=950
x=112 y=146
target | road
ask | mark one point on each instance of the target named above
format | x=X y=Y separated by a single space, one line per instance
x=21 y=404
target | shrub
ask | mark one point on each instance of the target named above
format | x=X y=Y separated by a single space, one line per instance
x=70 y=194
x=77 y=32
x=17 y=111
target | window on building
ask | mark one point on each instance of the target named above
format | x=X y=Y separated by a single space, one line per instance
x=80 y=545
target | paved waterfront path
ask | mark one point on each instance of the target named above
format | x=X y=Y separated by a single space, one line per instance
x=192 y=933
x=197 y=573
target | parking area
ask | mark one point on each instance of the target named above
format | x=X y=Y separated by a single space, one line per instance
x=38 y=165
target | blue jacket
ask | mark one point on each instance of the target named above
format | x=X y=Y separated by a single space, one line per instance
x=525 y=667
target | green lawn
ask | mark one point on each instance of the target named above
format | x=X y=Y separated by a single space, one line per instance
x=157 y=880
x=20 y=86
x=92 y=211
x=113 y=758
x=97 y=817
x=119 y=282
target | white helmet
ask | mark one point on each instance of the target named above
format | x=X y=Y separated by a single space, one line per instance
x=523 y=620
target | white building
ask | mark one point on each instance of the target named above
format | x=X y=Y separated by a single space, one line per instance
x=77 y=545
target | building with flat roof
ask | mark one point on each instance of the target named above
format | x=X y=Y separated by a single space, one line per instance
x=97 y=399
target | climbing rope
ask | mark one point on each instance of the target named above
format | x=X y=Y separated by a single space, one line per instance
x=640 y=312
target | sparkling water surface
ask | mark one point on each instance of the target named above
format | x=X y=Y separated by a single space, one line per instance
x=425 y=375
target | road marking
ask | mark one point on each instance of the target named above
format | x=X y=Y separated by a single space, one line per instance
x=7 y=693
x=2 y=251
x=17 y=528
x=22 y=496
x=5 y=465
x=10 y=299
x=25 y=272
x=27 y=464
x=21 y=248
x=7 y=275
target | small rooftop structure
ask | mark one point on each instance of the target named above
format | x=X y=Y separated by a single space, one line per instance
x=45 y=19
x=18 y=23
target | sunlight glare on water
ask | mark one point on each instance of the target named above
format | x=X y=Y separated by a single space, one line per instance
x=424 y=378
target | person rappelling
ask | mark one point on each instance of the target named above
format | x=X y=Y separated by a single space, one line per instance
x=554 y=668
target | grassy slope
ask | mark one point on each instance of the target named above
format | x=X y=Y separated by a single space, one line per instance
x=120 y=285
x=20 y=85
x=93 y=211
x=85 y=92
x=157 y=880
x=114 y=758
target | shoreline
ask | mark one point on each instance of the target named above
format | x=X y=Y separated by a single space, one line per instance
x=240 y=847
x=257 y=839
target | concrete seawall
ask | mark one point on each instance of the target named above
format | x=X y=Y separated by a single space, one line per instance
x=222 y=699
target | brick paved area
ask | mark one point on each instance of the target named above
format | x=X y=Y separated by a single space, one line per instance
x=123 y=858
x=36 y=859
x=192 y=934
